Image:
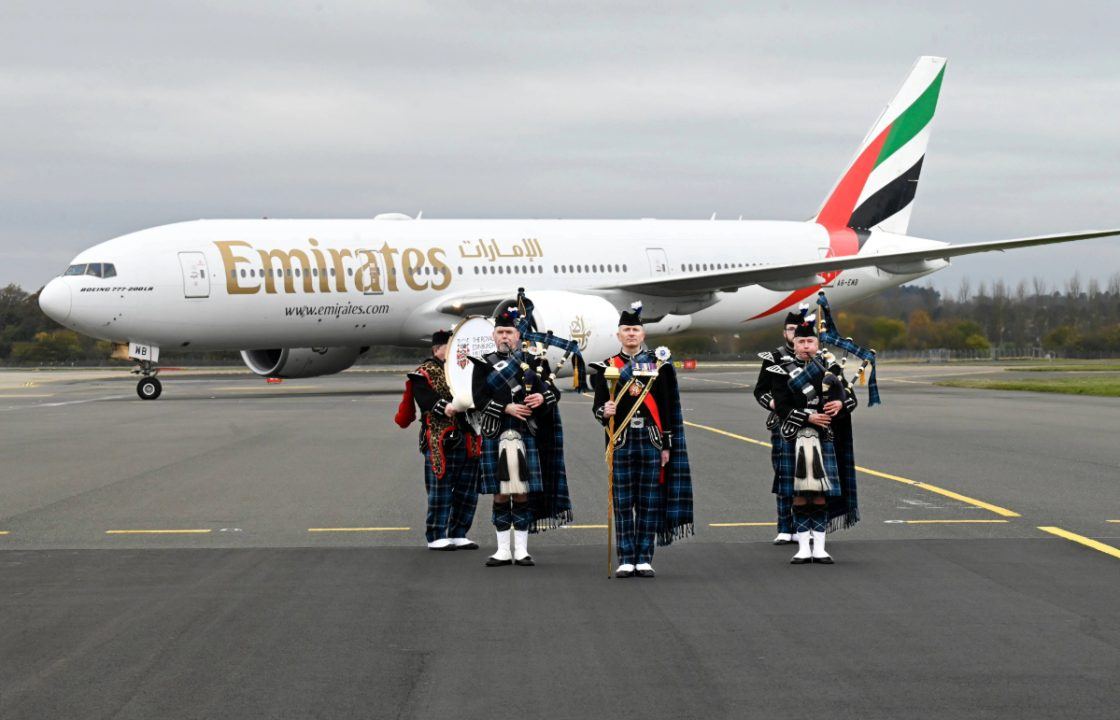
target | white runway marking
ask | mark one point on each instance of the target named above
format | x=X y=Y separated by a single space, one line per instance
x=61 y=404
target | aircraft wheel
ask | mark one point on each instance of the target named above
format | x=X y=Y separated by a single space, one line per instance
x=149 y=388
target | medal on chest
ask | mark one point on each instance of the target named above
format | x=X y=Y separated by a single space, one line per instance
x=636 y=388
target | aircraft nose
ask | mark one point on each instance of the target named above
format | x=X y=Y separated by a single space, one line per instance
x=55 y=300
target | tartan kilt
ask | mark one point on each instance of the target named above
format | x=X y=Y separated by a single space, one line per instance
x=787 y=462
x=489 y=482
x=775 y=455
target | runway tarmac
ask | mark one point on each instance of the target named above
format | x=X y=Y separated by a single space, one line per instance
x=240 y=549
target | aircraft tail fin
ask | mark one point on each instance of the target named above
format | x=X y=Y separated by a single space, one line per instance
x=877 y=189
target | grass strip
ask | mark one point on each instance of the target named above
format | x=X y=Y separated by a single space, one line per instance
x=1101 y=386
x=1066 y=368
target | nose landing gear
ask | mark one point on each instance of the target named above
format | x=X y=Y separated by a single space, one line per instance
x=149 y=387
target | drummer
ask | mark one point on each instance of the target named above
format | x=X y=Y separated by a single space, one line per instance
x=451 y=452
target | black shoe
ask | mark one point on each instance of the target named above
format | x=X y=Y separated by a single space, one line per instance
x=801 y=561
x=526 y=561
x=827 y=560
x=495 y=562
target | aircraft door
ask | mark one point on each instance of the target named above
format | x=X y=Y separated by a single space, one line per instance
x=658 y=261
x=196 y=275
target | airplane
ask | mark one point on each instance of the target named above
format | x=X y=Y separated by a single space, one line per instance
x=301 y=298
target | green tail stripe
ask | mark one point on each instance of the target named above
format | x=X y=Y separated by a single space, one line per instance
x=912 y=120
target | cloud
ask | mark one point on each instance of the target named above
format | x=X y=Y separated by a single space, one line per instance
x=123 y=117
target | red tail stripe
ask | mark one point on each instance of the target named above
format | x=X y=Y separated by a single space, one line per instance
x=838 y=208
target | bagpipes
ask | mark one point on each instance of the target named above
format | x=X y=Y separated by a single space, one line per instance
x=534 y=344
x=817 y=368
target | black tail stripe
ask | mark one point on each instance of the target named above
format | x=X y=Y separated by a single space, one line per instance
x=888 y=200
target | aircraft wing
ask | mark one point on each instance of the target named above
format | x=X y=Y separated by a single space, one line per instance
x=473 y=303
x=910 y=261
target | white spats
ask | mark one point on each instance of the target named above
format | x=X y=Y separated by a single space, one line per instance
x=783 y=539
x=464 y=543
x=644 y=570
x=441 y=544
x=819 y=555
x=804 y=552
x=521 y=547
x=624 y=570
x=503 y=556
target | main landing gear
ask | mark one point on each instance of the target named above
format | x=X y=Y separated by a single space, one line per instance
x=149 y=387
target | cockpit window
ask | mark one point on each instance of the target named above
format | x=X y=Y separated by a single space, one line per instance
x=100 y=270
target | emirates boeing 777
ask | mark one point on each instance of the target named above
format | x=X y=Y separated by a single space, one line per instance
x=301 y=298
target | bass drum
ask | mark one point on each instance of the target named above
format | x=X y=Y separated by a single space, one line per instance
x=473 y=336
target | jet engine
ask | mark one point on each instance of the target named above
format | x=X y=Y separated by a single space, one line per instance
x=301 y=362
x=590 y=320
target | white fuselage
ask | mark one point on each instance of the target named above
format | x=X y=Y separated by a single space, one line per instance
x=241 y=284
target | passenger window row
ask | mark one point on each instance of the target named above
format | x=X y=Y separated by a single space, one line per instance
x=704 y=267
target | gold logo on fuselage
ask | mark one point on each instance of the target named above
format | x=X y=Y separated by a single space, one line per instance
x=579 y=332
x=310 y=269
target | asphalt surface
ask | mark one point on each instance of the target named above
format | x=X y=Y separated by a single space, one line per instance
x=303 y=590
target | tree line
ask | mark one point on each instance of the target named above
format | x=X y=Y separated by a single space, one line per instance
x=1074 y=318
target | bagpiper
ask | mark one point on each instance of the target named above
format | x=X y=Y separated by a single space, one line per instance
x=652 y=483
x=763 y=393
x=450 y=448
x=522 y=462
x=810 y=397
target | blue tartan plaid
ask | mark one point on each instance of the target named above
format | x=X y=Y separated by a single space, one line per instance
x=810 y=517
x=638 y=498
x=785 y=513
x=784 y=503
x=831 y=335
x=489 y=482
x=570 y=347
x=453 y=498
x=843 y=511
x=787 y=462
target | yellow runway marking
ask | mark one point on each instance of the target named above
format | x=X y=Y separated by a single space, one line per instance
x=268 y=388
x=717 y=431
x=25 y=395
x=951 y=522
x=1081 y=539
x=586 y=527
x=4 y=532
x=157 y=532
x=942 y=491
x=887 y=476
x=359 y=529
x=1113 y=521
x=744 y=524
x=722 y=382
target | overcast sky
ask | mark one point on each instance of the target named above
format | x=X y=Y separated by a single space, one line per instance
x=123 y=115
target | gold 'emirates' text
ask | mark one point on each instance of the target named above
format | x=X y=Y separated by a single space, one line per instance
x=282 y=270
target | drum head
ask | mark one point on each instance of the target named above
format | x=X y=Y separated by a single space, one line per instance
x=472 y=336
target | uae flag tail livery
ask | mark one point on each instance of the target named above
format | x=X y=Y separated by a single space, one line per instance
x=877 y=189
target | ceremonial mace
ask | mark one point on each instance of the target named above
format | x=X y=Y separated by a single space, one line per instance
x=611 y=375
